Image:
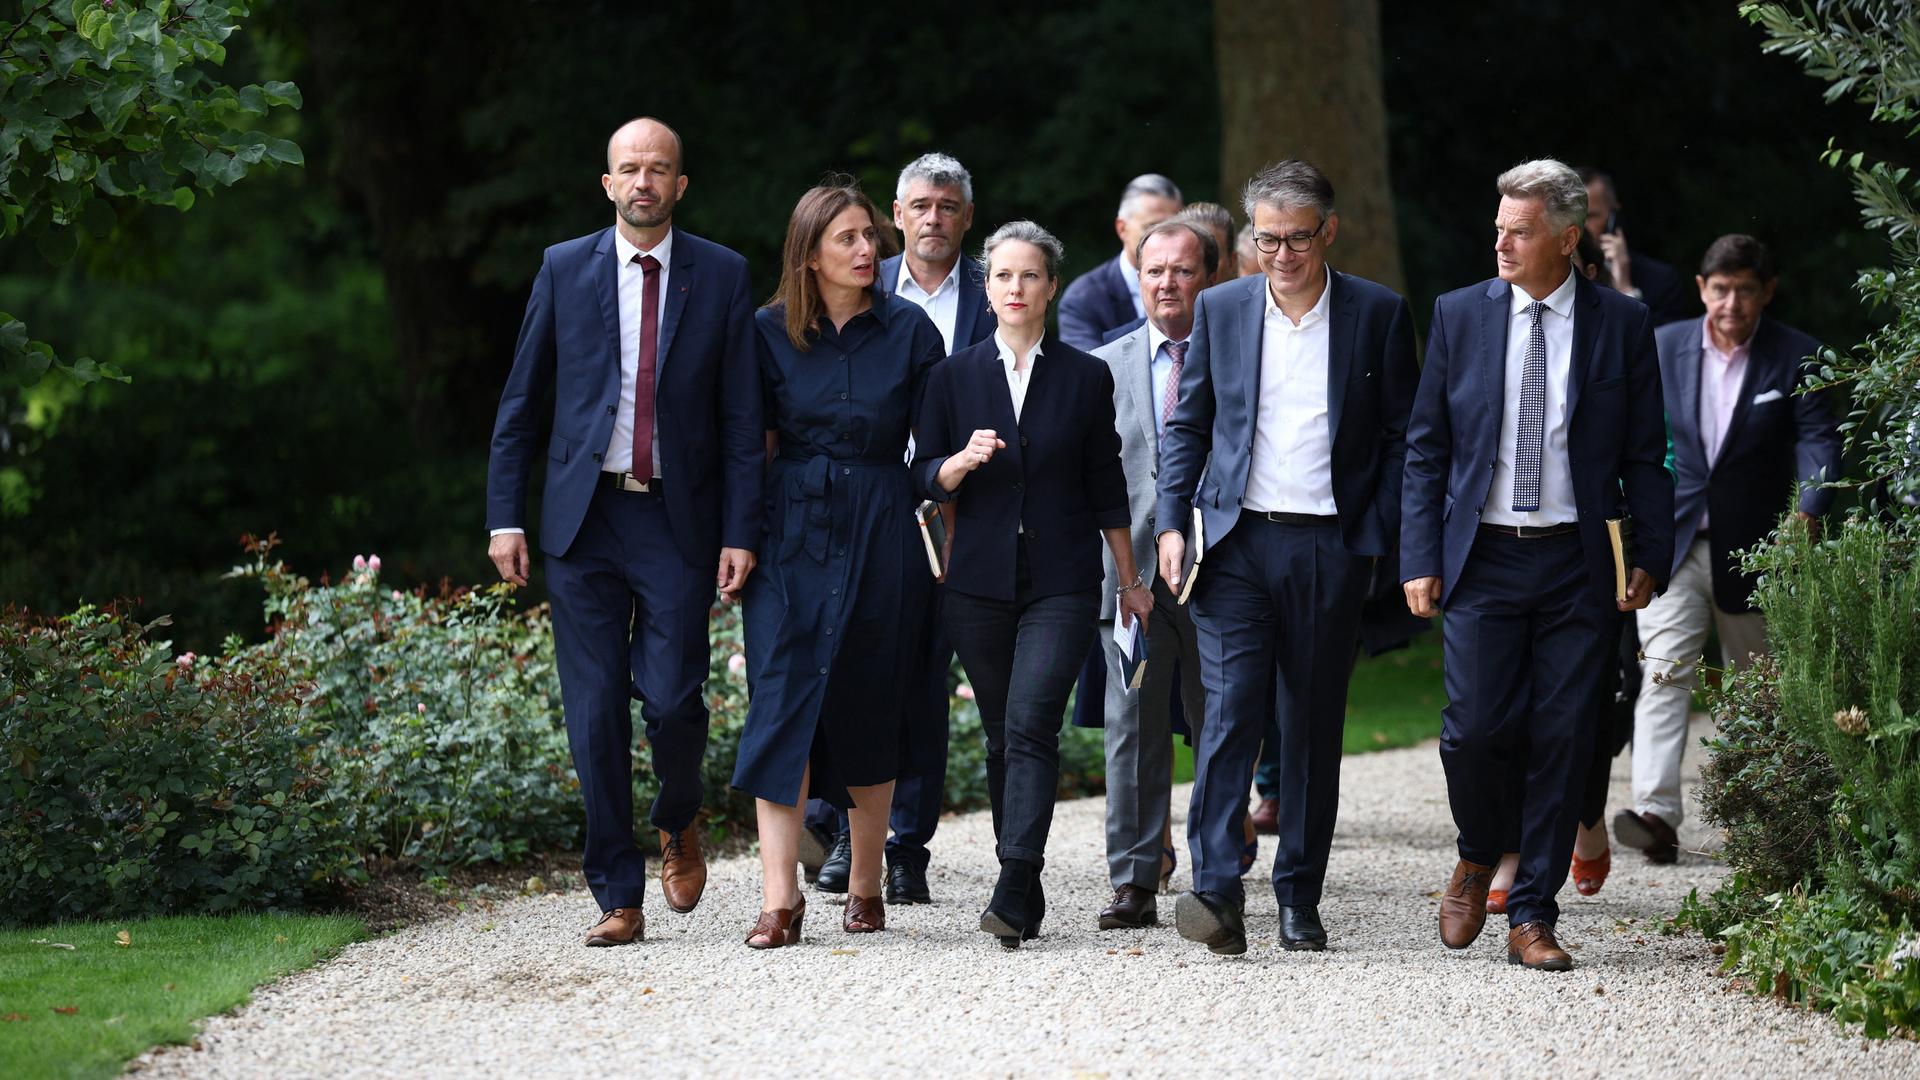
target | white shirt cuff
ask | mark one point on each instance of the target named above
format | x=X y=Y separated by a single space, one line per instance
x=504 y=532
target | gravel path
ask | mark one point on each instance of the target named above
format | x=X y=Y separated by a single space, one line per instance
x=511 y=992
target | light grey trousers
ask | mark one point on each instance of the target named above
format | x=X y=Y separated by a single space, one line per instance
x=1139 y=739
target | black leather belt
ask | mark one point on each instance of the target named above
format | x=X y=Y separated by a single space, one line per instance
x=1279 y=517
x=626 y=481
x=1531 y=532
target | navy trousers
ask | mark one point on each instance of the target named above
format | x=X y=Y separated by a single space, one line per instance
x=920 y=793
x=630 y=622
x=1277 y=614
x=1527 y=649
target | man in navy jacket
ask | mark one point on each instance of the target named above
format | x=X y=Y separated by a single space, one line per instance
x=1288 y=437
x=643 y=335
x=1108 y=296
x=1538 y=413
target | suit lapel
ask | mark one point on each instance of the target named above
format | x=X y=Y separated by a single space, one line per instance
x=1586 y=329
x=1495 y=320
x=1340 y=335
x=606 y=286
x=685 y=270
x=1686 y=377
x=1251 y=351
x=1139 y=383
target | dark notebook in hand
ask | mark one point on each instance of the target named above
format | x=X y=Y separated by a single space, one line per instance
x=932 y=517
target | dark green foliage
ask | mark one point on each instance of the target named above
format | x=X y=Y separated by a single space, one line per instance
x=140 y=783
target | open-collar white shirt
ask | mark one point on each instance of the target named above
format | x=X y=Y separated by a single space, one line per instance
x=1292 y=467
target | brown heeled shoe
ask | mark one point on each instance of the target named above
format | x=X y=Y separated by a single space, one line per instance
x=778 y=928
x=864 y=914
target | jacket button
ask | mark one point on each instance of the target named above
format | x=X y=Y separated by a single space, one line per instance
x=1019 y=487
x=1153 y=474
x=1023 y=440
x=610 y=410
x=596 y=457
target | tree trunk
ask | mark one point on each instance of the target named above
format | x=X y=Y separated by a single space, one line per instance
x=1303 y=79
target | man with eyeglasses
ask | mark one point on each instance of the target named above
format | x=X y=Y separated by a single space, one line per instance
x=1288 y=438
x=1742 y=439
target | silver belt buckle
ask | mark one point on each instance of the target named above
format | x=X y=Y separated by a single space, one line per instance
x=628 y=482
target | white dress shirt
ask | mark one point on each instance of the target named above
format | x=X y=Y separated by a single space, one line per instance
x=1017 y=381
x=1160 y=365
x=629 y=280
x=942 y=305
x=1556 y=479
x=1130 y=274
x=1292 y=467
x=1721 y=376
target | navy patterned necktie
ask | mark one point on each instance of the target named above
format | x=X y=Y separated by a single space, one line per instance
x=1530 y=434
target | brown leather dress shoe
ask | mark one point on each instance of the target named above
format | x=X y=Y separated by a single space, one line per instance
x=1132 y=908
x=1266 y=817
x=683 y=871
x=1463 y=907
x=621 y=926
x=1648 y=833
x=1532 y=944
x=779 y=928
x=864 y=914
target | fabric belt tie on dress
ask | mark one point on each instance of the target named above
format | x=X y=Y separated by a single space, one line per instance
x=809 y=520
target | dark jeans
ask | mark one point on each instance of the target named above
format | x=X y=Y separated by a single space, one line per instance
x=1022 y=656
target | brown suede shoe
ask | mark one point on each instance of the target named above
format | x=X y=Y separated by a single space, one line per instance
x=1463 y=907
x=1648 y=833
x=621 y=926
x=1532 y=944
x=683 y=872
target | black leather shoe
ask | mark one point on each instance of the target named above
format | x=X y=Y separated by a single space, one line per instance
x=1132 y=908
x=1212 y=920
x=906 y=883
x=838 y=866
x=816 y=843
x=1011 y=913
x=1300 y=928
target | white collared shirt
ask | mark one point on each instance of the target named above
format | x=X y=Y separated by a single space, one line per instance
x=1130 y=274
x=942 y=305
x=1160 y=368
x=1017 y=381
x=630 y=280
x=1292 y=467
x=1556 y=478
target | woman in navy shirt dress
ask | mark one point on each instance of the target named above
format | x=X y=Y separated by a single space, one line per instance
x=834 y=616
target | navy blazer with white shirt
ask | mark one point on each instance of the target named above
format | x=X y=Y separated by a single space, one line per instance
x=1774 y=439
x=707 y=397
x=1096 y=303
x=1060 y=475
x=1616 y=437
x=973 y=320
x=1206 y=452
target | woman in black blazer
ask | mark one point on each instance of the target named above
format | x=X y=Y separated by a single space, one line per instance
x=1018 y=432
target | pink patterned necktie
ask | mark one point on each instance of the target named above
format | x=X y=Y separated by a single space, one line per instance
x=1177 y=350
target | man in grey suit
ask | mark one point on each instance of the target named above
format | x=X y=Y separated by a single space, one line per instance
x=1176 y=258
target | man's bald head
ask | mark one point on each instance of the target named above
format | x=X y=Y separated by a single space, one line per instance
x=646 y=133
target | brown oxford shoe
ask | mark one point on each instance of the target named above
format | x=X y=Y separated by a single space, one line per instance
x=683 y=871
x=1463 y=907
x=1266 y=817
x=621 y=926
x=1532 y=944
x=1648 y=833
x=1132 y=908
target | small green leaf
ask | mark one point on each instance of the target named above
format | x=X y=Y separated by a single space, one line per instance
x=57 y=244
x=183 y=199
x=284 y=150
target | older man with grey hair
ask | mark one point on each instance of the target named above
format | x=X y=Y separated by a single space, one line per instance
x=1538 y=420
x=1285 y=446
x=1108 y=296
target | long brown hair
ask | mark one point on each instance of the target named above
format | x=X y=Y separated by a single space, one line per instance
x=799 y=292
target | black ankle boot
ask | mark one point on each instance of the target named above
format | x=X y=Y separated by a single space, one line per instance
x=1010 y=914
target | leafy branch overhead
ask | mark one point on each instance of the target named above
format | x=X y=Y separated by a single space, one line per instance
x=107 y=103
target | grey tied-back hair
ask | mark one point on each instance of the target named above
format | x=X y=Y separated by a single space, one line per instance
x=940 y=170
x=1144 y=185
x=1553 y=183
x=1289 y=184
x=1033 y=234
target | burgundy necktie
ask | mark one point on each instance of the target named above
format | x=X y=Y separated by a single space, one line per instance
x=1177 y=350
x=643 y=379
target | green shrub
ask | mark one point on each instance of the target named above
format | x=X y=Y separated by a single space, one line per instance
x=1835 y=950
x=142 y=783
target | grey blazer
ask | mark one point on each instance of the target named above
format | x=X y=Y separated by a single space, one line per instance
x=1133 y=410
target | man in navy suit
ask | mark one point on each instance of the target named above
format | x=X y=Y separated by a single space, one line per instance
x=643 y=333
x=933 y=209
x=1107 y=297
x=1288 y=436
x=1651 y=281
x=1744 y=444
x=1538 y=413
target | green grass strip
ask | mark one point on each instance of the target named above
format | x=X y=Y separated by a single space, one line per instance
x=84 y=1011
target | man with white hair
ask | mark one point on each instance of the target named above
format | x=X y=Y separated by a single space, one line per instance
x=1108 y=296
x=1538 y=418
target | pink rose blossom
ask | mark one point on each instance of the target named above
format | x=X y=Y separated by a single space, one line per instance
x=185 y=659
x=737 y=663
x=965 y=692
x=359 y=562
x=373 y=563
x=398 y=595
x=422 y=707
